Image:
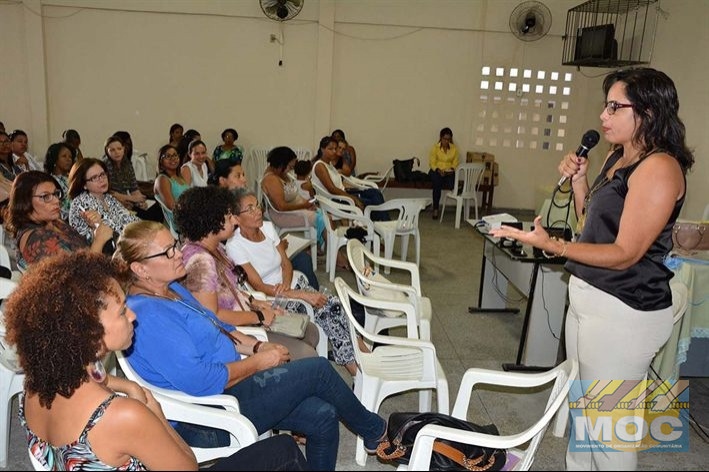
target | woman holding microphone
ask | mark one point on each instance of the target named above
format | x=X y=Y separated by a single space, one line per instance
x=620 y=310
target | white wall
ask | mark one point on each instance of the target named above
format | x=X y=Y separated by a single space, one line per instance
x=391 y=75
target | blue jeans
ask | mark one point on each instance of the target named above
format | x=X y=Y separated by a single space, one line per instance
x=307 y=396
x=371 y=196
x=439 y=183
x=303 y=262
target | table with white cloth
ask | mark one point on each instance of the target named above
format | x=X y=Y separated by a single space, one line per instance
x=693 y=271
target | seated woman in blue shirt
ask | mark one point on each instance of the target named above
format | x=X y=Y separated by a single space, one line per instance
x=181 y=345
x=70 y=411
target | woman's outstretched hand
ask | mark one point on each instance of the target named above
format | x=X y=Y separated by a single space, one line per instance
x=537 y=238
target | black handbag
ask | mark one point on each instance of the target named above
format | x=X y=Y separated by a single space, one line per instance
x=403 y=169
x=446 y=455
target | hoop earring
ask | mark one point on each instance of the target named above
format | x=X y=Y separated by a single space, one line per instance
x=97 y=371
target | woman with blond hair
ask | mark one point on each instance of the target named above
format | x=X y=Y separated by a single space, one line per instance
x=202 y=355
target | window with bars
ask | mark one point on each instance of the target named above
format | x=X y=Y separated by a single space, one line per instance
x=522 y=108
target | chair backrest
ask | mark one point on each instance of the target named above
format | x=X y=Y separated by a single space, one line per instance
x=680 y=300
x=471 y=175
x=140 y=167
x=705 y=215
x=561 y=375
x=169 y=217
x=299 y=220
x=303 y=153
x=347 y=295
x=5 y=258
x=255 y=164
x=8 y=354
x=410 y=210
x=7 y=286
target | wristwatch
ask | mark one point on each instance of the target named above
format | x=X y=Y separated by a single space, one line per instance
x=259 y=314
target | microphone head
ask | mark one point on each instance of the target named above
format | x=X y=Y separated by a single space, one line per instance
x=590 y=138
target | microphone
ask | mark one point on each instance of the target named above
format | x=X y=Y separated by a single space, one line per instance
x=590 y=139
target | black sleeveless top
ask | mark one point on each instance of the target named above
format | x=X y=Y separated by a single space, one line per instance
x=645 y=285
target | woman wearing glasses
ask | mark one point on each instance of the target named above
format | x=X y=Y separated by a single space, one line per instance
x=73 y=417
x=33 y=216
x=169 y=184
x=620 y=310
x=91 y=203
x=7 y=166
x=181 y=345
x=257 y=247
x=204 y=216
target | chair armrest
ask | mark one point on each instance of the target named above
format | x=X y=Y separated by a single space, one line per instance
x=255 y=331
x=362 y=184
x=423 y=445
x=236 y=424
x=403 y=265
x=474 y=376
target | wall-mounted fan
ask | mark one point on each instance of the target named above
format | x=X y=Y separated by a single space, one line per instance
x=281 y=10
x=530 y=21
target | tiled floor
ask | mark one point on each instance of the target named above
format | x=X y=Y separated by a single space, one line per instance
x=450 y=271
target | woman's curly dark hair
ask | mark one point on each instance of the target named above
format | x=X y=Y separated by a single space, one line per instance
x=200 y=211
x=53 y=319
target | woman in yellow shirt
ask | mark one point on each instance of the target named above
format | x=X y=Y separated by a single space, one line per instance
x=443 y=160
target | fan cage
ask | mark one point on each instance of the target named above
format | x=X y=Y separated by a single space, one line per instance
x=610 y=33
x=542 y=16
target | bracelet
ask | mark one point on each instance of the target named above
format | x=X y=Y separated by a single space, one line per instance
x=259 y=314
x=564 y=242
x=257 y=346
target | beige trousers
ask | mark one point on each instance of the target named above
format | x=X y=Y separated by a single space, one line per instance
x=610 y=341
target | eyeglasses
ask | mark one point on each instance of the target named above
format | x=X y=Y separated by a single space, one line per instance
x=169 y=253
x=251 y=209
x=613 y=106
x=240 y=274
x=170 y=156
x=97 y=177
x=47 y=197
x=5 y=141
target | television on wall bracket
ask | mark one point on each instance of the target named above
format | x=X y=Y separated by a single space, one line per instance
x=595 y=44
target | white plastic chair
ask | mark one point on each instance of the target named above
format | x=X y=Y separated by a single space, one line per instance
x=396 y=365
x=238 y=426
x=323 y=192
x=254 y=164
x=140 y=167
x=517 y=459
x=379 y=178
x=359 y=183
x=406 y=224
x=226 y=411
x=705 y=215
x=169 y=217
x=11 y=377
x=303 y=153
x=5 y=262
x=471 y=175
x=379 y=287
x=309 y=231
x=336 y=234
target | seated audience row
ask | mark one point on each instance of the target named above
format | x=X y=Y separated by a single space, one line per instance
x=73 y=416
